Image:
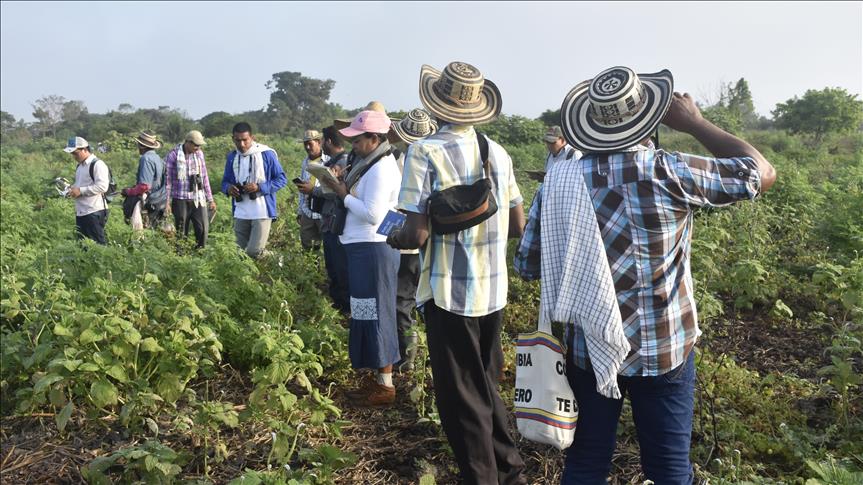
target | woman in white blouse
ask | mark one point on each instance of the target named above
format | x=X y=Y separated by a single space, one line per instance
x=370 y=190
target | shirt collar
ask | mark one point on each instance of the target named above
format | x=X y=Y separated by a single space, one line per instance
x=458 y=129
x=87 y=160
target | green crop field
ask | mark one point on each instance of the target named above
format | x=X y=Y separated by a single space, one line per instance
x=149 y=361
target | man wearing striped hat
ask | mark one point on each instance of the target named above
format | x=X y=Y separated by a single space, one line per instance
x=149 y=191
x=463 y=281
x=629 y=205
x=414 y=127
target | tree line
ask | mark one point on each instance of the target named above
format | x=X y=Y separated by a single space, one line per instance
x=298 y=102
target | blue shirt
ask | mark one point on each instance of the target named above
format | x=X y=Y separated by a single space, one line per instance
x=274 y=176
x=151 y=171
x=644 y=201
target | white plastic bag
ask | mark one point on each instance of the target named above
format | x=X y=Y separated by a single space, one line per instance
x=545 y=408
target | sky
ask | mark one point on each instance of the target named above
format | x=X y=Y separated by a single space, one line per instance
x=217 y=56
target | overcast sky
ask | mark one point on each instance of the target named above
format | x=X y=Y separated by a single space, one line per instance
x=205 y=57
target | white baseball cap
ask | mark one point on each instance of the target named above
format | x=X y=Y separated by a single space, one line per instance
x=75 y=143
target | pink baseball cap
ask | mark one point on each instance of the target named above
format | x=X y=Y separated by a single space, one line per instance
x=367 y=122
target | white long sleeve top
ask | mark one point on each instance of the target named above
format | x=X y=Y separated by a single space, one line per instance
x=369 y=201
x=92 y=190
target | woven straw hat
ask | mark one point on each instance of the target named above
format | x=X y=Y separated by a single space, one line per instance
x=148 y=140
x=416 y=126
x=460 y=94
x=616 y=109
x=342 y=123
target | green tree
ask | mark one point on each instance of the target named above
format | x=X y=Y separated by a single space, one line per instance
x=7 y=122
x=735 y=110
x=75 y=118
x=13 y=130
x=298 y=102
x=550 y=117
x=830 y=110
x=48 y=111
x=217 y=123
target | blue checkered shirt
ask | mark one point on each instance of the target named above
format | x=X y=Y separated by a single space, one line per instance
x=644 y=201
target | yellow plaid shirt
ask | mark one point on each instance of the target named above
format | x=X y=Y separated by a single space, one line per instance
x=465 y=273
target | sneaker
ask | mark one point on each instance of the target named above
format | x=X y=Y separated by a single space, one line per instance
x=379 y=395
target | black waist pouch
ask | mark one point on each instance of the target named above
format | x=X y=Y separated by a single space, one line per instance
x=463 y=206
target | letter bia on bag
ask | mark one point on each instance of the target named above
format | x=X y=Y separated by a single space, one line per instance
x=545 y=409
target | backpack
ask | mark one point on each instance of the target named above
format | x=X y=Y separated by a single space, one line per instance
x=108 y=196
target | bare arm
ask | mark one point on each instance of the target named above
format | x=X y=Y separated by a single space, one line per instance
x=516 y=221
x=413 y=235
x=684 y=116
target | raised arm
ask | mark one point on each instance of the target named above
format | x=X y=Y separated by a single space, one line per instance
x=684 y=116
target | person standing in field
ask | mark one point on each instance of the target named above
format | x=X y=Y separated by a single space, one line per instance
x=368 y=193
x=463 y=281
x=334 y=253
x=252 y=177
x=149 y=192
x=416 y=126
x=187 y=187
x=634 y=332
x=92 y=179
x=308 y=219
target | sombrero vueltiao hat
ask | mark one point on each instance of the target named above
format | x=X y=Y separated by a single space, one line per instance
x=416 y=126
x=616 y=109
x=147 y=140
x=459 y=94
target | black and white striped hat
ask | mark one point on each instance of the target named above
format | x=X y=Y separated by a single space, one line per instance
x=416 y=126
x=616 y=109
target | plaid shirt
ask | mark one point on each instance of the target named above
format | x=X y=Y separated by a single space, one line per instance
x=465 y=273
x=644 y=201
x=179 y=189
x=303 y=207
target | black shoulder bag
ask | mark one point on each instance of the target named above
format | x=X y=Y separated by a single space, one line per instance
x=463 y=206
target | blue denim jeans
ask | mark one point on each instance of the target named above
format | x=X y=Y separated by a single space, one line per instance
x=662 y=410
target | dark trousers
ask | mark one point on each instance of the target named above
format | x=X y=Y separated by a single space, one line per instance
x=92 y=226
x=466 y=359
x=185 y=212
x=662 y=410
x=336 y=261
x=406 y=294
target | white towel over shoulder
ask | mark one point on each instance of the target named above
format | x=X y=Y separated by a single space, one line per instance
x=576 y=285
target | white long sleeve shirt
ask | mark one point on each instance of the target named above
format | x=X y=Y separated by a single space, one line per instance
x=369 y=201
x=92 y=190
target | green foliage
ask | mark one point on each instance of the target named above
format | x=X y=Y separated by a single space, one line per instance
x=550 y=117
x=735 y=110
x=151 y=462
x=218 y=123
x=833 y=473
x=138 y=328
x=514 y=130
x=820 y=112
x=298 y=103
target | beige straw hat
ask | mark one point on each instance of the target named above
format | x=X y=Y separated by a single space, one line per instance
x=460 y=94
